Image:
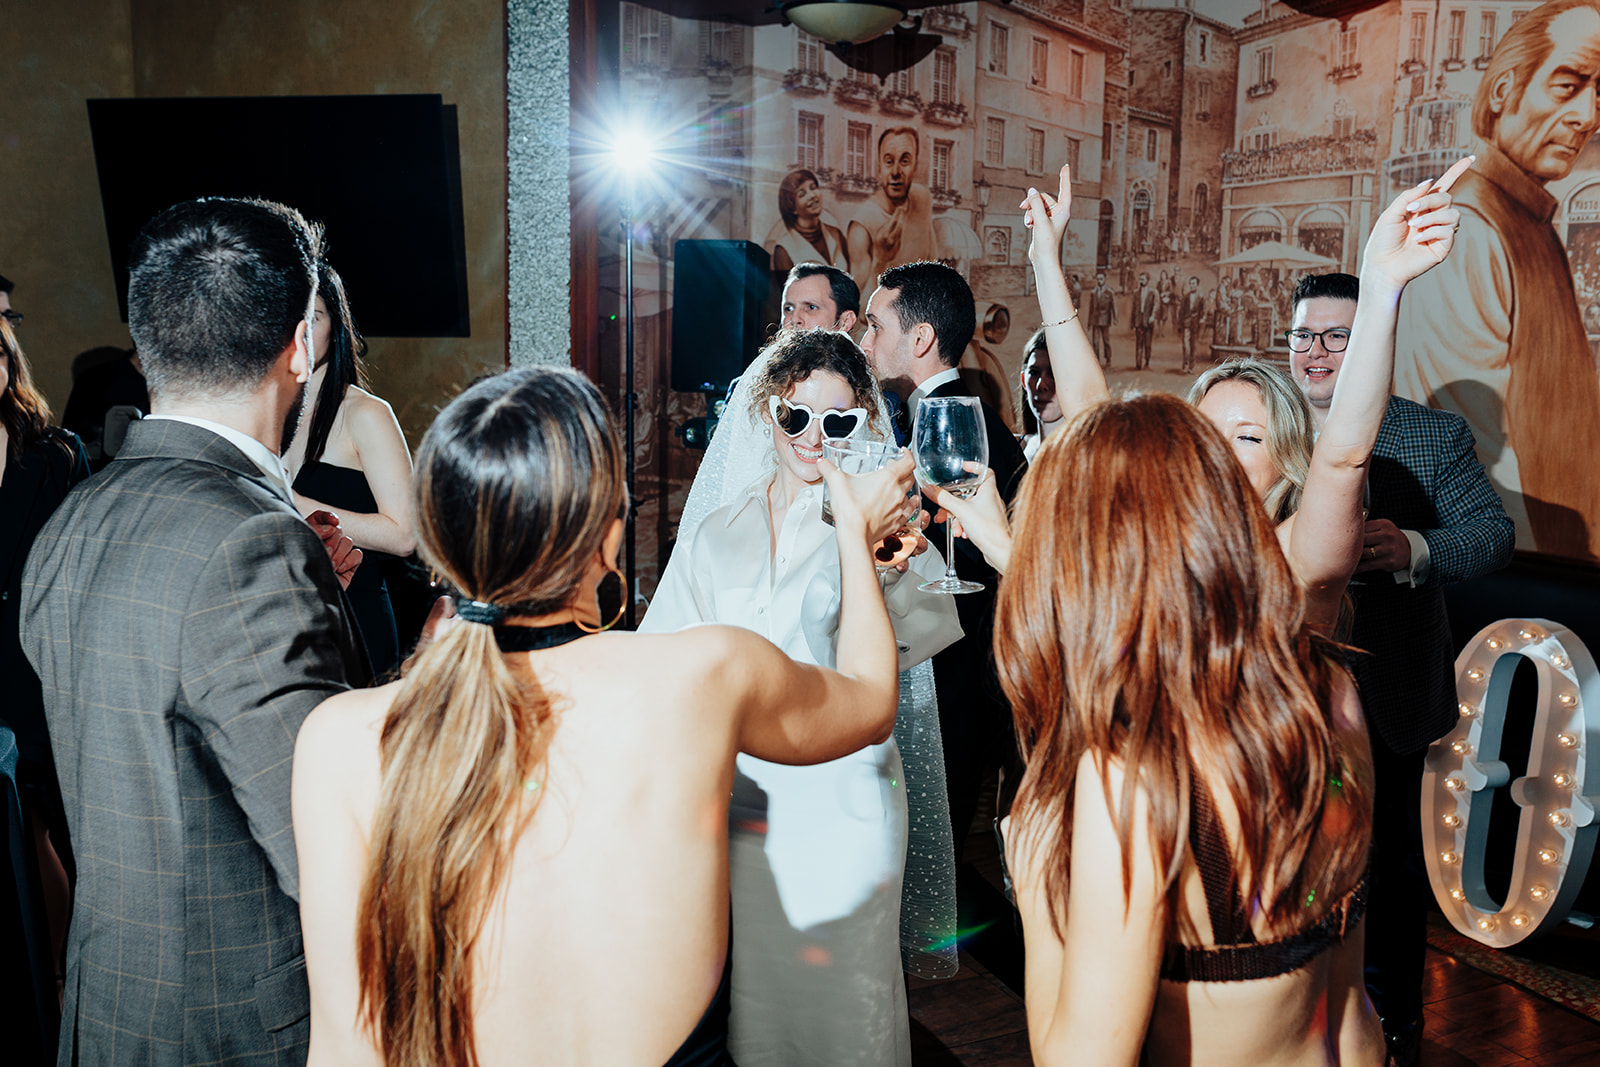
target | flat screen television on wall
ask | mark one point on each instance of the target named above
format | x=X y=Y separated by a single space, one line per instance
x=381 y=173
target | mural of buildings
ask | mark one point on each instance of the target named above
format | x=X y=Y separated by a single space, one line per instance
x=1184 y=83
x=1049 y=90
x=1313 y=103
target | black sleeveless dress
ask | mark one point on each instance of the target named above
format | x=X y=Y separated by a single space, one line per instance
x=346 y=489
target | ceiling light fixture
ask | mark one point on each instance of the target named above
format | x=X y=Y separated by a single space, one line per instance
x=836 y=21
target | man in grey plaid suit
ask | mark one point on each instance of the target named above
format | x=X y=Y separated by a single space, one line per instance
x=184 y=620
x=1433 y=519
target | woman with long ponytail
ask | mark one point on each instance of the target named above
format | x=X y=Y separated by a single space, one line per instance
x=522 y=844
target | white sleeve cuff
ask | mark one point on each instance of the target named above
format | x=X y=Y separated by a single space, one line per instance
x=1417 y=573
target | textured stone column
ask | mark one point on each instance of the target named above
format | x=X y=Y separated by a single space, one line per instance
x=538 y=211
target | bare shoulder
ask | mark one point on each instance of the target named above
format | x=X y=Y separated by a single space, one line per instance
x=344 y=730
x=696 y=653
x=362 y=407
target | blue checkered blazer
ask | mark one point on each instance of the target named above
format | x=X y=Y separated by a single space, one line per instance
x=183 y=621
x=1425 y=477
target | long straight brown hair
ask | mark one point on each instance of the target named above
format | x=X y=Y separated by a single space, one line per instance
x=517 y=483
x=1149 y=617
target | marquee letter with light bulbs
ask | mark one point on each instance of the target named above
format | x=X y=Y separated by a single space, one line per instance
x=1558 y=795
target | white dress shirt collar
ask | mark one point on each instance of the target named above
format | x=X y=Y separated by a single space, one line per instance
x=929 y=384
x=270 y=465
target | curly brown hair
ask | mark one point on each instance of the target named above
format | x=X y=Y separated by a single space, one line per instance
x=798 y=354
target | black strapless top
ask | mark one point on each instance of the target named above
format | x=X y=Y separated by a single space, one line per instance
x=346 y=489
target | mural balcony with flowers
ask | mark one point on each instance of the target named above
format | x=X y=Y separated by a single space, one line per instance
x=856 y=92
x=1308 y=158
x=852 y=184
x=947 y=21
x=806 y=82
x=945 y=198
x=898 y=103
x=946 y=113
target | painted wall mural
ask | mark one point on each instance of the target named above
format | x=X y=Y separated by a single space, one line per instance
x=1238 y=143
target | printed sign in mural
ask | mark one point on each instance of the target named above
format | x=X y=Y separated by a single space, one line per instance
x=1220 y=150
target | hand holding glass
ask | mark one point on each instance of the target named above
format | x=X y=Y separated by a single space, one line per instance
x=864 y=457
x=951 y=445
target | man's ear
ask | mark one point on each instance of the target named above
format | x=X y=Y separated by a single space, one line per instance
x=924 y=340
x=299 y=352
x=846 y=323
x=1500 y=92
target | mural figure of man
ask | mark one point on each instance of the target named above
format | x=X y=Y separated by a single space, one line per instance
x=895 y=225
x=1144 y=321
x=1191 y=312
x=1495 y=332
x=1102 y=315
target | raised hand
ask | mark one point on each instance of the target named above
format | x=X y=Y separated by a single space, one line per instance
x=1048 y=217
x=1415 y=233
x=981 y=519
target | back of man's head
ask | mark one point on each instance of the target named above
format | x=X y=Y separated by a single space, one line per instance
x=6 y=284
x=1333 y=286
x=846 y=294
x=939 y=296
x=216 y=289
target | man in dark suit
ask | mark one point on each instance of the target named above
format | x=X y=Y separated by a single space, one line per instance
x=1191 y=312
x=1434 y=519
x=919 y=322
x=1101 y=314
x=1145 y=303
x=184 y=620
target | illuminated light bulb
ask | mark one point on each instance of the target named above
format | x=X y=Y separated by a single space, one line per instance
x=1557 y=818
x=1539 y=892
x=1561 y=662
x=1487 y=923
x=1467 y=710
x=1449 y=858
x=1461 y=747
x=1561 y=780
x=1452 y=820
x=1520 y=921
x=1455 y=783
x=1458 y=894
x=1568 y=699
x=1567 y=740
x=1548 y=855
x=1475 y=674
x=1529 y=635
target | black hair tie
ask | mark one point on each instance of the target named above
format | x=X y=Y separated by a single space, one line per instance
x=479 y=612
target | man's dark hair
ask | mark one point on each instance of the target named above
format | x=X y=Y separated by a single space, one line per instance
x=216 y=289
x=1334 y=286
x=846 y=294
x=6 y=284
x=901 y=131
x=939 y=296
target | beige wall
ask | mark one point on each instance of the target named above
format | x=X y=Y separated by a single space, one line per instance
x=52 y=234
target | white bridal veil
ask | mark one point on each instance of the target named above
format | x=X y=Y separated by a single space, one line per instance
x=740 y=452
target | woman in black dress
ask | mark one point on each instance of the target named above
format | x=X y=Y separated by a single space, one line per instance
x=350 y=457
x=38 y=464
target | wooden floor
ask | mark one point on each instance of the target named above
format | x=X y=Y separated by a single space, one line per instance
x=1472 y=1020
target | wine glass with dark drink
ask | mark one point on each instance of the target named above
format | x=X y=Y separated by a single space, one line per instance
x=951 y=446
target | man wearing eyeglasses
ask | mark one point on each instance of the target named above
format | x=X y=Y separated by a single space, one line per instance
x=1433 y=518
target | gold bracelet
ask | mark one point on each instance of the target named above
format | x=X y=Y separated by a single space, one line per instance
x=1063 y=322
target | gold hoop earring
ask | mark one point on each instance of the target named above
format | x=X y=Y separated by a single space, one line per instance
x=603 y=598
